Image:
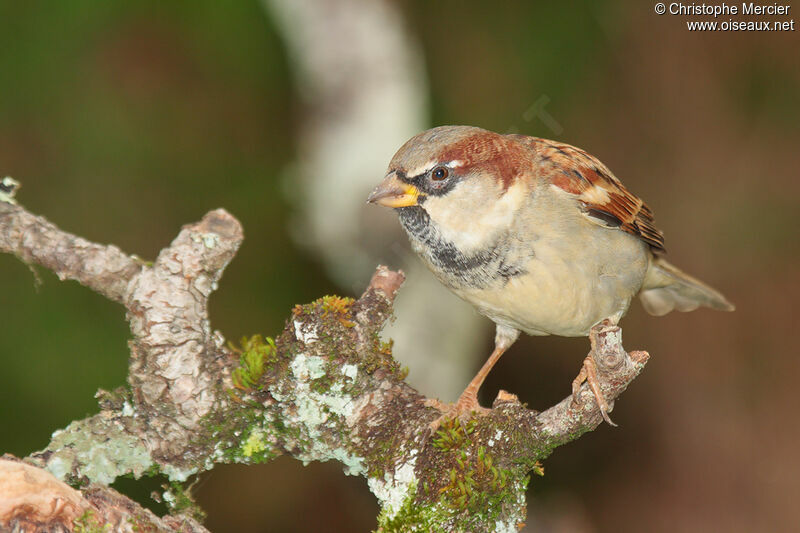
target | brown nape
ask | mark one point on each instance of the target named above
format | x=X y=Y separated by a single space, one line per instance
x=488 y=151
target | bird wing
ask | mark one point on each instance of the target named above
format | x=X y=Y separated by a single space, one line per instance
x=602 y=196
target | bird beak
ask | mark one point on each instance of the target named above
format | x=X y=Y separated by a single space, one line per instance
x=394 y=193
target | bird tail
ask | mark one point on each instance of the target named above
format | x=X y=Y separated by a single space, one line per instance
x=667 y=288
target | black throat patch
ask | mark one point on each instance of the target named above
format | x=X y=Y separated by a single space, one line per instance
x=482 y=269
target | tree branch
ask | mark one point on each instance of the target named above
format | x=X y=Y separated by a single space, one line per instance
x=326 y=389
x=34 y=500
x=104 y=269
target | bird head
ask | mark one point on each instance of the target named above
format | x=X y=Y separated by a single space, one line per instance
x=460 y=176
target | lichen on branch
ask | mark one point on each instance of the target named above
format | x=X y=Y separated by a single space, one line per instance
x=325 y=388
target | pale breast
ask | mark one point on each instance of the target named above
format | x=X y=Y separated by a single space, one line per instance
x=566 y=292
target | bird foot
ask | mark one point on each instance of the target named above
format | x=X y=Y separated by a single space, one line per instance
x=465 y=408
x=588 y=374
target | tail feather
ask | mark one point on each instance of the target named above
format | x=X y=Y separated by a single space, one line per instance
x=667 y=288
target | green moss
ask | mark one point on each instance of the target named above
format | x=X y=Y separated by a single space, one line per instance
x=337 y=305
x=384 y=451
x=410 y=517
x=89 y=523
x=327 y=306
x=244 y=438
x=453 y=435
x=180 y=500
x=403 y=374
x=259 y=447
x=321 y=385
x=254 y=443
x=335 y=335
x=473 y=481
x=380 y=357
x=474 y=488
x=380 y=458
x=255 y=354
x=385 y=347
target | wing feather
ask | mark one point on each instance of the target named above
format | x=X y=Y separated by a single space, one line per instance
x=595 y=187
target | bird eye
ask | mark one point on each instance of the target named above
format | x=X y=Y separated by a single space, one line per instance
x=439 y=173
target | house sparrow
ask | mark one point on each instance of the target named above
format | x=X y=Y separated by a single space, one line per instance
x=537 y=235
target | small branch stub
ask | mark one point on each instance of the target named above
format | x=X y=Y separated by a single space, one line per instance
x=8 y=189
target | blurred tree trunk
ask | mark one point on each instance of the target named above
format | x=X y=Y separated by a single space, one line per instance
x=361 y=81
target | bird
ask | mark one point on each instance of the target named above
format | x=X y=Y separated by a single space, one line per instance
x=537 y=235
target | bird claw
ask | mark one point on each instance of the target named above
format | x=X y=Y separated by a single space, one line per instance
x=588 y=374
x=465 y=408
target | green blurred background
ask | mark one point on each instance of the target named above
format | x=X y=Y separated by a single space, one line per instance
x=125 y=120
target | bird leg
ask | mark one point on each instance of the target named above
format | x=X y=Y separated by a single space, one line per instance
x=468 y=401
x=588 y=373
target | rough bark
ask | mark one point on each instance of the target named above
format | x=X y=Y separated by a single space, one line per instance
x=326 y=389
x=34 y=500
